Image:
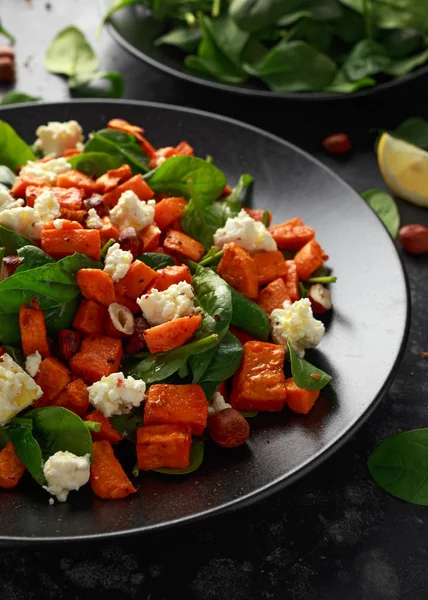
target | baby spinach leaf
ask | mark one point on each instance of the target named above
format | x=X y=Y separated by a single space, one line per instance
x=390 y=14
x=18 y=97
x=414 y=131
x=157 y=367
x=173 y=175
x=156 y=261
x=105 y=248
x=16 y=354
x=225 y=361
x=342 y=85
x=248 y=315
x=6 y=33
x=386 y=209
x=12 y=241
x=70 y=54
x=400 y=466
x=303 y=373
x=294 y=67
x=33 y=257
x=14 y=152
x=115 y=6
x=201 y=222
x=196 y=458
x=185 y=38
x=119 y=144
x=401 y=43
x=97 y=85
x=365 y=59
x=4 y=438
x=255 y=15
x=27 y=448
x=127 y=425
x=95 y=163
x=241 y=194
x=405 y=65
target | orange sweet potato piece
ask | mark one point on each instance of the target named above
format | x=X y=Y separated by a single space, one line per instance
x=238 y=268
x=52 y=377
x=107 y=431
x=257 y=214
x=178 y=405
x=184 y=149
x=172 y=275
x=167 y=210
x=299 y=400
x=292 y=235
x=108 y=231
x=160 y=446
x=138 y=278
x=89 y=318
x=269 y=266
x=309 y=258
x=273 y=296
x=108 y=480
x=136 y=184
x=122 y=298
x=71 y=198
x=66 y=225
x=68 y=343
x=77 y=179
x=11 y=468
x=21 y=184
x=108 y=181
x=73 y=215
x=122 y=125
x=259 y=383
x=97 y=356
x=171 y=334
x=242 y=335
x=184 y=245
x=75 y=397
x=96 y=285
x=150 y=237
x=33 y=331
x=292 y=281
x=59 y=243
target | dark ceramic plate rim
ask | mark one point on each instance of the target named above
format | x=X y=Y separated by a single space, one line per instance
x=310 y=463
x=252 y=92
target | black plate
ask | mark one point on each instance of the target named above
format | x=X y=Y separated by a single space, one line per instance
x=136 y=31
x=361 y=347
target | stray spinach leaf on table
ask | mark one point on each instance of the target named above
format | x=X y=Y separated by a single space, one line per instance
x=119 y=144
x=14 y=152
x=70 y=54
x=18 y=97
x=305 y=375
x=98 y=85
x=6 y=33
x=385 y=207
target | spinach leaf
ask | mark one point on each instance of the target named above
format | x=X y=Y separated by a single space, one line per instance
x=185 y=38
x=157 y=367
x=95 y=164
x=414 y=131
x=196 y=458
x=14 y=152
x=52 y=285
x=173 y=175
x=405 y=65
x=115 y=6
x=7 y=177
x=225 y=361
x=248 y=315
x=27 y=448
x=16 y=354
x=6 y=33
x=201 y=222
x=119 y=144
x=18 y=97
x=12 y=241
x=400 y=466
x=294 y=67
x=386 y=209
x=342 y=85
x=70 y=54
x=401 y=43
x=156 y=261
x=241 y=194
x=305 y=375
x=33 y=257
x=127 y=425
x=106 y=84
x=255 y=15
x=390 y=14
x=365 y=59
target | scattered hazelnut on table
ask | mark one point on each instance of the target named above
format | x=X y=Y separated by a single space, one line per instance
x=337 y=143
x=414 y=239
x=7 y=64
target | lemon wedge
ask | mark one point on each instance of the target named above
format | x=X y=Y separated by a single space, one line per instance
x=404 y=168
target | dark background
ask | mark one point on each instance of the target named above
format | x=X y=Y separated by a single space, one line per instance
x=332 y=535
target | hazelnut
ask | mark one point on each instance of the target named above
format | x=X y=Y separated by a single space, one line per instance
x=10 y=264
x=228 y=428
x=122 y=318
x=97 y=203
x=414 y=239
x=137 y=342
x=129 y=240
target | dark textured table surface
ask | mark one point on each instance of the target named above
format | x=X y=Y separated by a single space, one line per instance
x=332 y=535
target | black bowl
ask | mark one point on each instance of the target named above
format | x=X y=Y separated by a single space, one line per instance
x=363 y=343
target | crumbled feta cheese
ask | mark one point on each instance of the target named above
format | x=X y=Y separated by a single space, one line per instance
x=32 y=363
x=117 y=262
x=295 y=322
x=23 y=220
x=7 y=201
x=46 y=171
x=217 y=404
x=130 y=211
x=47 y=206
x=17 y=389
x=116 y=394
x=245 y=231
x=64 y=471
x=174 y=302
x=93 y=220
x=55 y=138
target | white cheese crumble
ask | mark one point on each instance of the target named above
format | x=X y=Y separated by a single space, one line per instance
x=23 y=220
x=295 y=322
x=17 y=389
x=116 y=394
x=93 y=220
x=130 y=211
x=218 y=404
x=245 y=231
x=55 y=138
x=32 y=363
x=117 y=262
x=46 y=171
x=174 y=302
x=47 y=206
x=64 y=471
x=7 y=201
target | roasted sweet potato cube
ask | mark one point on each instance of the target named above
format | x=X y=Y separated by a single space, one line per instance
x=184 y=245
x=299 y=400
x=138 y=278
x=149 y=237
x=33 y=331
x=75 y=397
x=238 y=268
x=96 y=285
x=136 y=184
x=11 y=468
x=291 y=235
x=68 y=343
x=171 y=334
x=89 y=318
x=59 y=243
x=108 y=181
x=122 y=298
x=161 y=446
x=269 y=266
x=309 y=259
x=259 y=383
x=107 y=431
x=108 y=479
x=97 y=356
x=167 y=210
x=273 y=296
x=52 y=377
x=108 y=231
x=170 y=276
x=77 y=179
x=292 y=281
x=177 y=404
x=258 y=214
